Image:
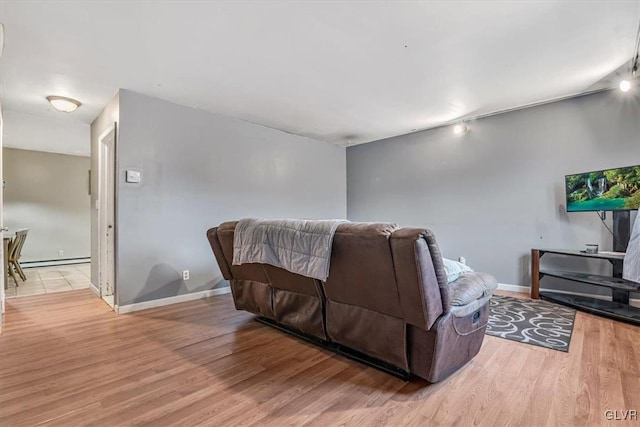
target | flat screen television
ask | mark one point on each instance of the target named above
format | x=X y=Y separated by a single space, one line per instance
x=605 y=190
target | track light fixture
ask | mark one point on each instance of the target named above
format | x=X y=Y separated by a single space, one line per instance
x=625 y=84
x=460 y=128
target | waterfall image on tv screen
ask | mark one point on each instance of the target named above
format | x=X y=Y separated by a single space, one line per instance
x=607 y=190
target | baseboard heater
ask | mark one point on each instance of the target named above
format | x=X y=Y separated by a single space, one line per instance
x=54 y=262
x=340 y=349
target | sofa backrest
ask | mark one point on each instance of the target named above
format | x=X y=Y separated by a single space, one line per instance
x=253 y=272
x=361 y=271
x=422 y=282
x=222 y=241
x=289 y=298
x=378 y=267
x=249 y=282
x=363 y=309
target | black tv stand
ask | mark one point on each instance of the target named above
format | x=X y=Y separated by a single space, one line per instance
x=618 y=308
x=610 y=309
x=621 y=236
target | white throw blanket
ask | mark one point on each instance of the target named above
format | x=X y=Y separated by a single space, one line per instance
x=299 y=246
x=632 y=257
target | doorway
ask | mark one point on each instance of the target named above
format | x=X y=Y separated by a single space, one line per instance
x=106 y=215
x=4 y=248
x=47 y=214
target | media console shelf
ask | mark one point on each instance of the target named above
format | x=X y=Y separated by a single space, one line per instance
x=618 y=308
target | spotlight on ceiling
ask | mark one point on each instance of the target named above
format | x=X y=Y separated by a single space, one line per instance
x=625 y=85
x=460 y=128
x=61 y=103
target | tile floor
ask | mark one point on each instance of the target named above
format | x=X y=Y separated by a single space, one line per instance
x=47 y=280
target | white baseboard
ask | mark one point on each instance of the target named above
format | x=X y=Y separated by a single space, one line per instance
x=635 y=302
x=122 y=309
x=514 y=288
x=94 y=288
x=34 y=264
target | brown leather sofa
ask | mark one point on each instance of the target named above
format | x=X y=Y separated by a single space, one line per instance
x=386 y=297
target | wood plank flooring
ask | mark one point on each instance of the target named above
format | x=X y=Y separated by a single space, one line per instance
x=66 y=359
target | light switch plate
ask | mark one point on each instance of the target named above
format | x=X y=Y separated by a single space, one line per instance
x=134 y=176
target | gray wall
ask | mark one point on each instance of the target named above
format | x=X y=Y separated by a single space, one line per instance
x=498 y=191
x=198 y=170
x=109 y=115
x=48 y=194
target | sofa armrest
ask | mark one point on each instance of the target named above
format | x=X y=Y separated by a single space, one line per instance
x=418 y=267
x=212 y=235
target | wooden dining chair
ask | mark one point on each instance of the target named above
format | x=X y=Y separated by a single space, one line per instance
x=15 y=251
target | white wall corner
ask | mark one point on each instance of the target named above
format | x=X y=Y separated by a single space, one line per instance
x=94 y=288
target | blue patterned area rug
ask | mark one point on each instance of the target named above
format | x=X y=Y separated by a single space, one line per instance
x=536 y=322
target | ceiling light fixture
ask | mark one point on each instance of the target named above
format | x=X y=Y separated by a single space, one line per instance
x=625 y=84
x=64 y=104
x=460 y=128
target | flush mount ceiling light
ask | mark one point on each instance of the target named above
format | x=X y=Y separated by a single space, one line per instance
x=460 y=128
x=64 y=104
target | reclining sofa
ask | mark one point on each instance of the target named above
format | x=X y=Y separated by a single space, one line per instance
x=386 y=297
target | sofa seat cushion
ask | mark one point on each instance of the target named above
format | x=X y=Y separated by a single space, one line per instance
x=470 y=287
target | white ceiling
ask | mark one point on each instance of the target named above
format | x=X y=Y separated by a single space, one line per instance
x=49 y=134
x=336 y=71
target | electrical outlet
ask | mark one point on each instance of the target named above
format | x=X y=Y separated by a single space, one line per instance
x=185 y=274
x=61 y=253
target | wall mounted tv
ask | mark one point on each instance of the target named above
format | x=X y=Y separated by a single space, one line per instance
x=605 y=190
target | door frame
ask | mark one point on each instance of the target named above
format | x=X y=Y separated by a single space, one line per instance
x=106 y=139
x=3 y=273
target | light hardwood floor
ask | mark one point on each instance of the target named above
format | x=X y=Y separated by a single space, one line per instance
x=66 y=359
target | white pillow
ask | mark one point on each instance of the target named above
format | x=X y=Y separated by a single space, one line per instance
x=454 y=269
